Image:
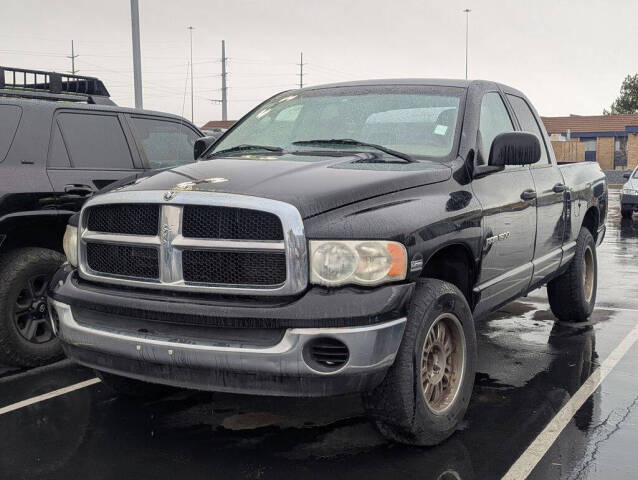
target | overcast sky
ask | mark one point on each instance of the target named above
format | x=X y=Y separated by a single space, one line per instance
x=567 y=56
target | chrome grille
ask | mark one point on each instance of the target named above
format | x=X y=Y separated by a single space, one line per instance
x=132 y=219
x=202 y=221
x=203 y=241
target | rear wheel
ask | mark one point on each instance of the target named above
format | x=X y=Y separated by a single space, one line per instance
x=427 y=390
x=572 y=296
x=26 y=337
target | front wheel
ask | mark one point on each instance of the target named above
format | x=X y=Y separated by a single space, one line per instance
x=26 y=336
x=427 y=390
x=572 y=295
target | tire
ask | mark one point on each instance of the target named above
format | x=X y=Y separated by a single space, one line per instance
x=133 y=389
x=626 y=212
x=398 y=405
x=26 y=337
x=572 y=295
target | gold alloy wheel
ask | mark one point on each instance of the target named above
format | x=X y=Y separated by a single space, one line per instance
x=443 y=362
x=589 y=271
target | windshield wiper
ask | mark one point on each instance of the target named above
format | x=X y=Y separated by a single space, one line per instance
x=240 y=148
x=349 y=141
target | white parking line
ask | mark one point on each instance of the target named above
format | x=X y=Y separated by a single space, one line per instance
x=46 y=396
x=539 y=447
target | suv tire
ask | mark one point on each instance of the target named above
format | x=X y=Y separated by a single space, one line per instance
x=626 y=212
x=572 y=295
x=436 y=360
x=26 y=337
x=131 y=388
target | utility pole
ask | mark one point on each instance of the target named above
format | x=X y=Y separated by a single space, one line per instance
x=73 y=57
x=301 y=64
x=137 y=59
x=467 y=33
x=224 y=99
x=192 y=93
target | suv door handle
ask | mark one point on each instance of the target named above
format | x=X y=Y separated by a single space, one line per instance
x=82 y=190
x=529 y=194
x=559 y=188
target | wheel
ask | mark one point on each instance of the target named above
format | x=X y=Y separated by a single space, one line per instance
x=427 y=390
x=26 y=337
x=572 y=295
x=626 y=212
x=136 y=389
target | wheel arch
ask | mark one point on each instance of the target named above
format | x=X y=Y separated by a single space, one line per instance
x=32 y=230
x=453 y=263
x=591 y=221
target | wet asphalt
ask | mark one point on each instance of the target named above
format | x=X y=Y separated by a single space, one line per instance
x=529 y=367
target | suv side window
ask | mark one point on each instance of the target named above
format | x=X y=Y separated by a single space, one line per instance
x=529 y=124
x=494 y=120
x=9 y=119
x=165 y=143
x=95 y=141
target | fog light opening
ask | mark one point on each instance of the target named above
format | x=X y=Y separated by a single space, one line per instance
x=326 y=354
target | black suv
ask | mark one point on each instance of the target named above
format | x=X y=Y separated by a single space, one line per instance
x=61 y=139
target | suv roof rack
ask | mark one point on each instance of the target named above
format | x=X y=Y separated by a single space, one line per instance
x=39 y=84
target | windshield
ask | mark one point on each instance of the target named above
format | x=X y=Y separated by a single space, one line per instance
x=418 y=121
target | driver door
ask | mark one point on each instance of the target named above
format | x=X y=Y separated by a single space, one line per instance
x=509 y=217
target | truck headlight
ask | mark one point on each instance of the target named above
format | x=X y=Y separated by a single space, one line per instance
x=70 y=244
x=365 y=262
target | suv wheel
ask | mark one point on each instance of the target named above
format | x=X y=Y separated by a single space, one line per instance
x=626 y=212
x=572 y=295
x=26 y=337
x=427 y=390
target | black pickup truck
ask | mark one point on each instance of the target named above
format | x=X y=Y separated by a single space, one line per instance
x=337 y=239
x=61 y=139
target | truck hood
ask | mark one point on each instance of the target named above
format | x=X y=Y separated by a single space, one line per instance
x=314 y=184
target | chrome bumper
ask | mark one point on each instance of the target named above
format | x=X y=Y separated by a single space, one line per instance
x=371 y=348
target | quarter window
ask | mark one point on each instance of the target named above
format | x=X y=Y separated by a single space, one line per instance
x=494 y=121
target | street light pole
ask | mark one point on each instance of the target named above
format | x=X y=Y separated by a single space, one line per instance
x=192 y=101
x=137 y=61
x=467 y=32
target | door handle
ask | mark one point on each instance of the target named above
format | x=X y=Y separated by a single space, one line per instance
x=559 y=188
x=529 y=194
x=78 y=189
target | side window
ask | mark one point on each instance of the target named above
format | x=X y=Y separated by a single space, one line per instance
x=9 y=119
x=494 y=120
x=529 y=124
x=165 y=143
x=95 y=141
x=58 y=156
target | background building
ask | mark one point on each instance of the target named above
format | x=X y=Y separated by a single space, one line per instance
x=610 y=140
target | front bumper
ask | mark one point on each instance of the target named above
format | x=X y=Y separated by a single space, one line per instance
x=241 y=366
x=628 y=201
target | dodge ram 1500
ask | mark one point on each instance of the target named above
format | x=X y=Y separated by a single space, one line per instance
x=337 y=239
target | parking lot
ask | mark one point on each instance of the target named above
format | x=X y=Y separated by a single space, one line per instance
x=529 y=368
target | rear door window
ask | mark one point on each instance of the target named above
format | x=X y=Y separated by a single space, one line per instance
x=9 y=120
x=95 y=141
x=165 y=143
x=528 y=123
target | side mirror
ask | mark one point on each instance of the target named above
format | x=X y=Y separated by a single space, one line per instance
x=201 y=145
x=626 y=175
x=514 y=148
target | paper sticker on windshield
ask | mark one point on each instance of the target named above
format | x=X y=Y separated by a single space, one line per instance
x=440 y=130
